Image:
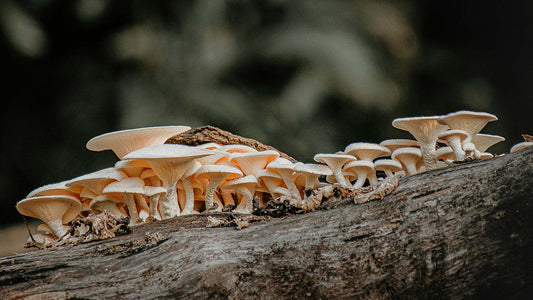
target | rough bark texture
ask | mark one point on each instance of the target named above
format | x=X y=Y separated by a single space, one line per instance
x=464 y=231
x=211 y=134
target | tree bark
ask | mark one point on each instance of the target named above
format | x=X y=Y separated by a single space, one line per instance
x=464 y=231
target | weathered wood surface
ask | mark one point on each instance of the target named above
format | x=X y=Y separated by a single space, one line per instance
x=464 y=231
x=212 y=134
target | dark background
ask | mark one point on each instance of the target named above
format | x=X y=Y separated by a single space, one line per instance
x=303 y=76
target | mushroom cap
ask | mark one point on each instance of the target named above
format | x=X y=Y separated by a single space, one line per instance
x=366 y=151
x=131 y=185
x=95 y=181
x=388 y=164
x=150 y=191
x=393 y=144
x=267 y=173
x=248 y=180
x=469 y=121
x=112 y=197
x=131 y=163
x=59 y=188
x=209 y=146
x=205 y=171
x=424 y=129
x=315 y=169
x=333 y=159
x=235 y=148
x=252 y=162
x=123 y=142
x=147 y=173
x=280 y=163
x=360 y=165
x=46 y=208
x=485 y=141
x=520 y=146
x=485 y=155
x=168 y=152
x=215 y=158
x=413 y=152
x=445 y=135
x=445 y=153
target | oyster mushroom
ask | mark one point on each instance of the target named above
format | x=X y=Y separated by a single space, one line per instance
x=367 y=151
x=426 y=131
x=311 y=172
x=127 y=188
x=246 y=187
x=252 y=162
x=285 y=168
x=389 y=166
x=109 y=203
x=54 y=210
x=455 y=138
x=520 y=146
x=216 y=174
x=393 y=144
x=408 y=156
x=470 y=121
x=335 y=162
x=363 y=169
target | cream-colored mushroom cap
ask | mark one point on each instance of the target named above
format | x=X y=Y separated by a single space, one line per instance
x=455 y=138
x=335 y=162
x=54 y=210
x=236 y=148
x=252 y=162
x=151 y=191
x=246 y=187
x=363 y=168
x=393 y=144
x=311 y=172
x=209 y=146
x=445 y=153
x=520 y=146
x=132 y=167
x=131 y=185
x=96 y=181
x=123 y=142
x=469 y=121
x=484 y=141
x=445 y=135
x=389 y=166
x=109 y=203
x=59 y=188
x=285 y=168
x=408 y=156
x=367 y=151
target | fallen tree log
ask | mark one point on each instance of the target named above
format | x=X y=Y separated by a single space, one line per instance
x=464 y=231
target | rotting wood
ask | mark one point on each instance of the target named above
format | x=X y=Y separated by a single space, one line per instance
x=464 y=231
x=212 y=134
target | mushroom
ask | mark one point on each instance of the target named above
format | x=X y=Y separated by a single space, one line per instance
x=470 y=121
x=520 y=146
x=445 y=154
x=132 y=167
x=389 y=166
x=311 y=172
x=169 y=162
x=408 y=156
x=127 y=188
x=150 y=178
x=109 y=203
x=335 y=162
x=245 y=186
x=363 y=168
x=284 y=168
x=216 y=174
x=366 y=151
x=252 y=162
x=187 y=202
x=59 y=188
x=54 y=210
x=271 y=180
x=394 y=144
x=483 y=142
x=426 y=131
x=455 y=138
x=123 y=142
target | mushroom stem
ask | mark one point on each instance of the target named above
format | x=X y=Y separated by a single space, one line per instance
x=455 y=143
x=169 y=207
x=246 y=205
x=154 y=203
x=58 y=228
x=289 y=182
x=428 y=154
x=212 y=186
x=188 y=209
x=132 y=208
x=361 y=178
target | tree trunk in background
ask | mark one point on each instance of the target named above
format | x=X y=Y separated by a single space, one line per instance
x=464 y=231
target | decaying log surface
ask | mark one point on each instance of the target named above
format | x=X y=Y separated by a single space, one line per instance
x=211 y=134
x=464 y=231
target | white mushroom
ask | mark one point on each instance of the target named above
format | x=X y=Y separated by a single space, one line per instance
x=455 y=138
x=123 y=142
x=335 y=162
x=127 y=188
x=132 y=167
x=59 y=188
x=408 y=156
x=367 y=151
x=271 y=180
x=109 y=203
x=252 y=162
x=363 y=169
x=169 y=162
x=393 y=144
x=154 y=193
x=520 y=146
x=285 y=167
x=426 y=131
x=470 y=121
x=54 y=210
x=483 y=142
x=216 y=174
x=311 y=173
x=389 y=166
x=98 y=180
x=245 y=186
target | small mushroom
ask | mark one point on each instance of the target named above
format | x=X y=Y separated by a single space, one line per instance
x=245 y=186
x=185 y=183
x=393 y=144
x=59 y=188
x=363 y=169
x=426 y=131
x=483 y=142
x=109 y=203
x=408 y=156
x=123 y=142
x=311 y=173
x=98 y=180
x=520 y=146
x=470 y=121
x=335 y=162
x=132 y=167
x=252 y=162
x=367 y=151
x=154 y=193
x=271 y=180
x=127 y=188
x=285 y=169
x=54 y=210
x=216 y=174
x=455 y=138
x=445 y=154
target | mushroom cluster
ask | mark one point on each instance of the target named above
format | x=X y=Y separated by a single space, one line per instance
x=155 y=181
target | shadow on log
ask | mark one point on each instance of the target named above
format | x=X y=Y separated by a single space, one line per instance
x=459 y=232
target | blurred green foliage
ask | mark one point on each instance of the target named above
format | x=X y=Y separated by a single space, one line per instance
x=303 y=76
